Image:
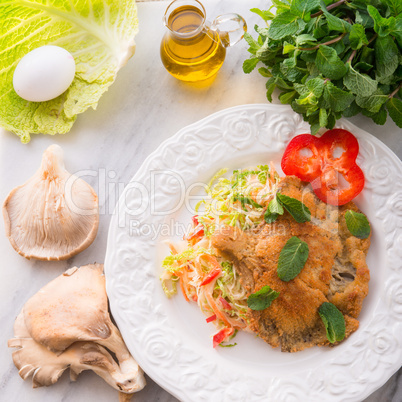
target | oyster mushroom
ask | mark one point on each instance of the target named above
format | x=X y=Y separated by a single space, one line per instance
x=67 y=325
x=54 y=215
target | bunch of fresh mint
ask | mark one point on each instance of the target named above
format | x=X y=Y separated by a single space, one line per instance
x=332 y=59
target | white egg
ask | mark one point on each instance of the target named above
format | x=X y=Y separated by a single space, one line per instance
x=44 y=73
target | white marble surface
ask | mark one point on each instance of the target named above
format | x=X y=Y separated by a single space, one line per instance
x=144 y=107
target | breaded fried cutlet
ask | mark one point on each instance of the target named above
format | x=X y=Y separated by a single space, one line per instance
x=335 y=271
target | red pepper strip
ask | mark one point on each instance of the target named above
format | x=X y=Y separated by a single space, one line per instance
x=211 y=276
x=215 y=308
x=197 y=233
x=221 y=336
x=212 y=318
x=215 y=272
x=313 y=159
x=229 y=322
x=225 y=304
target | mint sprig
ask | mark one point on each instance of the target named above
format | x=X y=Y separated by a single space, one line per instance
x=296 y=208
x=353 y=48
x=262 y=299
x=334 y=322
x=358 y=224
x=280 y=202
x=292 y=259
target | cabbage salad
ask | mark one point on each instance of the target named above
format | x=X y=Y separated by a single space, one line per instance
x=204 y=276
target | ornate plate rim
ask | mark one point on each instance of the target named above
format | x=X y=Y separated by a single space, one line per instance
x=118 y=273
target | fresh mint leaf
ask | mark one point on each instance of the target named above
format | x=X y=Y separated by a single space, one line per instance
x=270 y=217
x=254 y=45
x=397 y=31
x=275 y=206
x=316 y=86
x=395 y=6
x=358 y=224
x=334 y=322
x=360 y=84
x=285 y=4
x=373 y=102
x=262 y=299
x=290 y=71
x=263 y=33
x=363 y=66
x=303 y=8
x=265 y=72
x=335 y=23
x=321 y=65
x=367 y=55
x=352 y=110
x=314 y=125
x=287 y=97
x=383 y=26
x=329 y=64
x=250 y=64
x=285 y=24
x=335 y=98
x=394 y=107
x=386 y=57
x=266 y=15
x=303 y=90
x=380 y=117
x=288 y=47
x=363 y=18
x=281 y=83
x=296 y=208
x=264 y=53
x=273 y=211
x=281 y=6
x=357 y=36
x=292 y=259
x=320 y=28
x=270 y=85
x=323 y=117
x=305 y=38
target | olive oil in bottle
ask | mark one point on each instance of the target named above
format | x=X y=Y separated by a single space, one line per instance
x=191 y=50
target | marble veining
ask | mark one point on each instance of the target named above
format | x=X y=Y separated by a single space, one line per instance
x=106 y=147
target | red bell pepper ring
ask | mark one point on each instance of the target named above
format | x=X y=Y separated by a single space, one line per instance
x=315 y=159
x=221 y=336
x=211 y=318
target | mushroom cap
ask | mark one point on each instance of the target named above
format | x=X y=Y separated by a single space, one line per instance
x=54 y=215
x=67 y=325
x=71 y=307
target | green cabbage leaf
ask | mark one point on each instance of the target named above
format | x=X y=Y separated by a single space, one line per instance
x=98 y=33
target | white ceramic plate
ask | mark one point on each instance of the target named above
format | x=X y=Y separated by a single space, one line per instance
x=170 y=338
